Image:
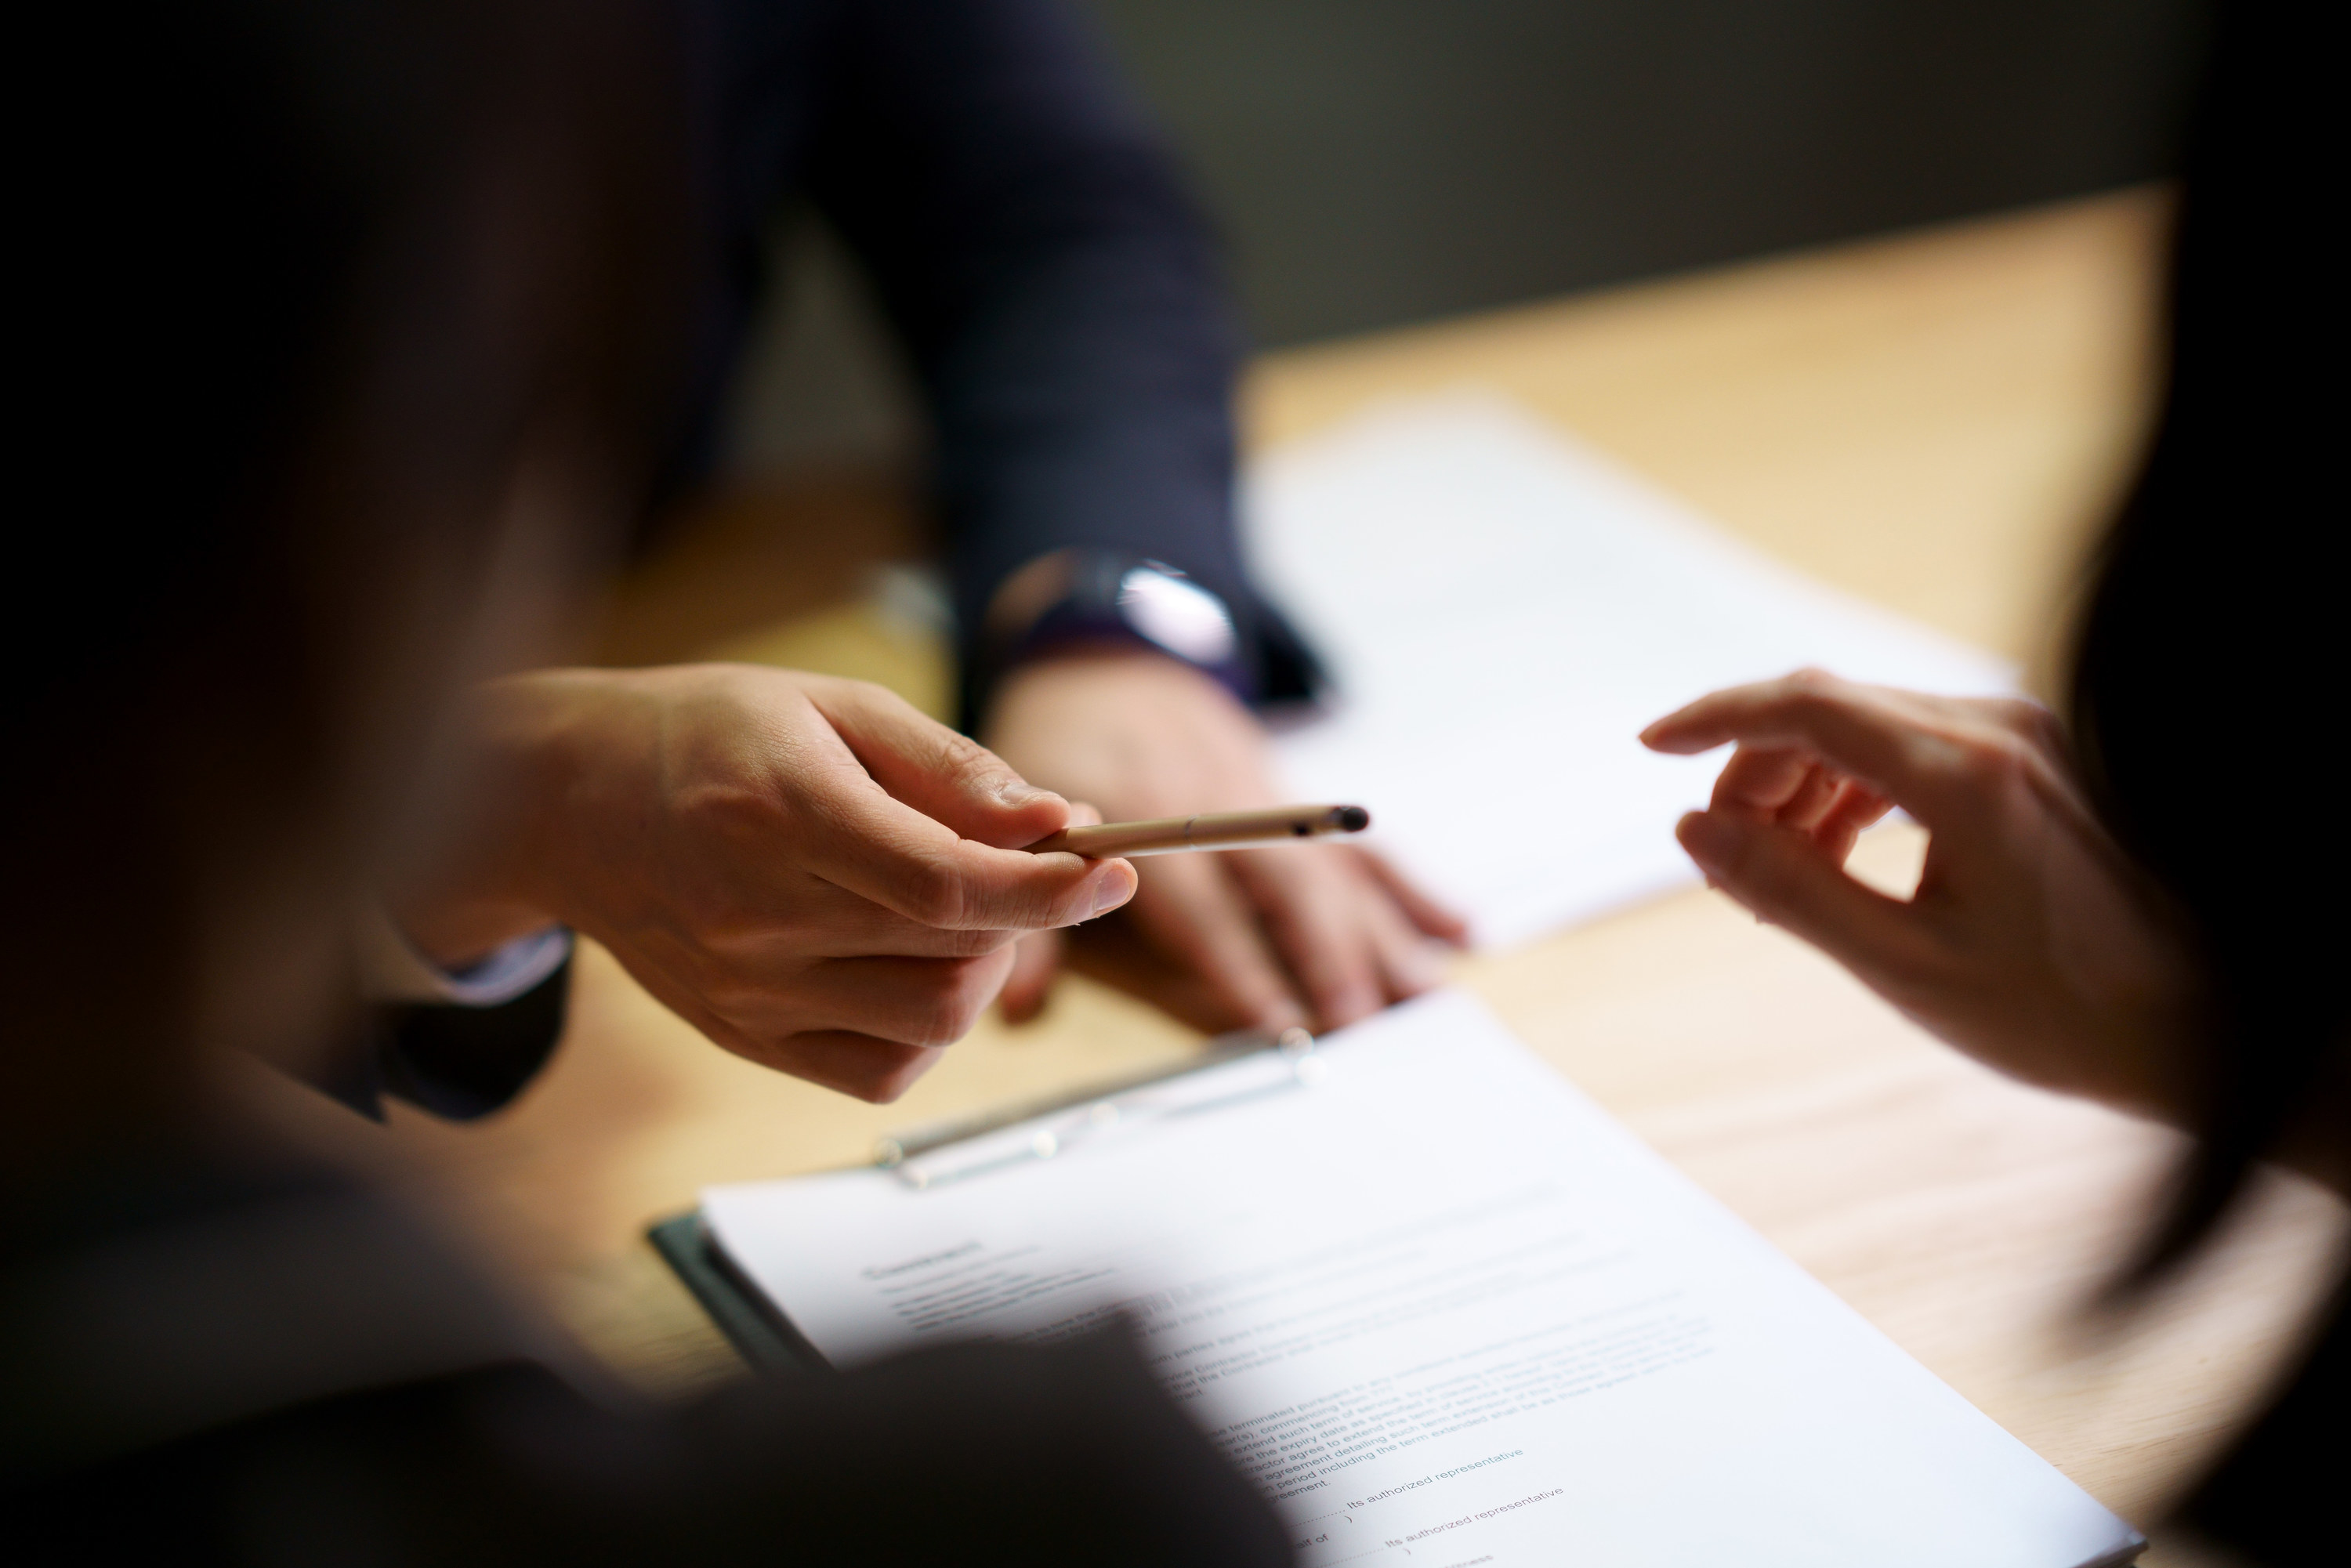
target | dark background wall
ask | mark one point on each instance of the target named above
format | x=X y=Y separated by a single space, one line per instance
x=1379 y=161
x=1376 y=161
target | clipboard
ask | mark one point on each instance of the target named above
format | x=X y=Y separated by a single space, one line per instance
x=1410 y=1278
x=767 y=1339
x=761 y=1335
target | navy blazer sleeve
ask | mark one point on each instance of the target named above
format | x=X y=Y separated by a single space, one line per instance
x=1058 y=292
x=459 y=1062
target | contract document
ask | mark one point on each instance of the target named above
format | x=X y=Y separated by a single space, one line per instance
x=1440 y=1307
x=1502 y=611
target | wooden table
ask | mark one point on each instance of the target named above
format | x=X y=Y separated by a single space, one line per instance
x=1935 y=420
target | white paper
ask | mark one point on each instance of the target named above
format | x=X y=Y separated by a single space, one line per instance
x=1441 y=1308
x=1502 y=611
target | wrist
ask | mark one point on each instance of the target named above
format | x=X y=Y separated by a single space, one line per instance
x=487 y=879
x=1080 y=602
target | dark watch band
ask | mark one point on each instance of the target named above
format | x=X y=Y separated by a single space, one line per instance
x=1077 y=597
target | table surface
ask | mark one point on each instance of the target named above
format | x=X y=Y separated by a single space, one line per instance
x=1935 y=420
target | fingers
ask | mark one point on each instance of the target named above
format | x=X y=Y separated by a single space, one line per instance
x=928 y=1002
x=1308 y=905
x=1406 y=963
x=1428 y=917
x=1351 y=947
x=1949 y=762
x=830 y=921
x=1035 y=961
x=1121 y=955
x=1856 y=807
x=2027 y=720
x=1264 y=939
x=1398 y=949
x=1038 y=958
x=868 y=781
x=1758 y=780
x=993 y=890
x=861 y=1065
x=1868 y=733
x=1781 y=874
x=1809 y=802
x=926 y=874
x=1790 y=789
x=949 y=777
x=875 y=1071
x=1195 y=912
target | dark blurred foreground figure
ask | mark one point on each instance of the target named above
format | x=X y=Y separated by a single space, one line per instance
x=2145 y=906
x=410 y=327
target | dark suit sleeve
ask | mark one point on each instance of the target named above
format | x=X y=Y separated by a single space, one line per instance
x=455 y=1061
x=1060 y=295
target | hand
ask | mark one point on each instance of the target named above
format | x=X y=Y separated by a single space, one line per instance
x=1320 y=934
x=2030 y=943
x=807 y=870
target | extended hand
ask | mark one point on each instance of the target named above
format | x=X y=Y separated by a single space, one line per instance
x=2030 y=943
x=1266 y=938
x=807 y=870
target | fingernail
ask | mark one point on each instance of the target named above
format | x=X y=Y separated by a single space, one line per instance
x=1113 y=888
x=1017 y=792
x=1711 y=840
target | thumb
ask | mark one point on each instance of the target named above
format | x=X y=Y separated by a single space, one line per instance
x=1782 y=876
x=949 y=777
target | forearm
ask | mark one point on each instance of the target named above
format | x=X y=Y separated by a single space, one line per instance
x=1058 y=293
x=1088 y=406
x=1085 y=407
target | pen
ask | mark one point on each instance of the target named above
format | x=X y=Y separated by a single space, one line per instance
x=1208 y=831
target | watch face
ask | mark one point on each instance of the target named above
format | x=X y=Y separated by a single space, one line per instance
x=1182 y=617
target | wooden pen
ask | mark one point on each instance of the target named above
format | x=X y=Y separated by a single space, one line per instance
x=1208 y=831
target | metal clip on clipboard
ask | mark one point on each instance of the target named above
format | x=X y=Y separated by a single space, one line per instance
x=1246 y=1065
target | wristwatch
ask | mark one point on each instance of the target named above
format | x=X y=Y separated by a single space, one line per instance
x=1074 y=597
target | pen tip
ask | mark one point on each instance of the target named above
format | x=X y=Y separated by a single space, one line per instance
x=1352 y=819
